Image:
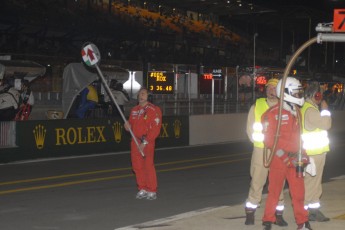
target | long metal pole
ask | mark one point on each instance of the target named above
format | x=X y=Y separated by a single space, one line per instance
x=212 y=104
x=118 y=107
x=309 y=30
x=255 y=35
x=237 y=84
x=189 y=90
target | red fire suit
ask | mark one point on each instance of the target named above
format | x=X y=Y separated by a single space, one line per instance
x=146 y=123
x=281 y=167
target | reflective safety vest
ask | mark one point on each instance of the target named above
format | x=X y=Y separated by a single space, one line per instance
x=315 y=141
x=260 y=108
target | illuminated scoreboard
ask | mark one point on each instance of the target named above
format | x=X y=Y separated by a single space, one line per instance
x=160 y=82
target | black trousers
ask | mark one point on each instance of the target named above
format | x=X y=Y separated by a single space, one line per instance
x=7 y=114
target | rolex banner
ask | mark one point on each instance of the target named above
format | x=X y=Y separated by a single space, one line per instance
x=67 y=137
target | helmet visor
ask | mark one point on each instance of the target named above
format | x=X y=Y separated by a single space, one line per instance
x=298 y=93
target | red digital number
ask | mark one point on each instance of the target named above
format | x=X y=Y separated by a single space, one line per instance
x=208 y=76
x=261 y=80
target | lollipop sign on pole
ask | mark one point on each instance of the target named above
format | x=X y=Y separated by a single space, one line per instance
x=91 y=57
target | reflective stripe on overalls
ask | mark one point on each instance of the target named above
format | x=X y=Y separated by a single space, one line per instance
x=316 y=141
x=260 y=108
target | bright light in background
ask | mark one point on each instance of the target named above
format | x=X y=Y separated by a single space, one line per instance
x=131 y=85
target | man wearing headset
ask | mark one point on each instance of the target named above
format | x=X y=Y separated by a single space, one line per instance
x=145 y=120
x=316 y=144
x=258 y=171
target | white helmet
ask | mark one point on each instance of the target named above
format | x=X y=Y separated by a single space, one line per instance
x=293 y=91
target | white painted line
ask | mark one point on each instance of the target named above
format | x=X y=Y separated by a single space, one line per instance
x=63 y=158
x=172 y=218
x=342 y=177
x=103 y=154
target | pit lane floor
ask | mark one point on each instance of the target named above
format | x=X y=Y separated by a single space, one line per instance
x=98 y=192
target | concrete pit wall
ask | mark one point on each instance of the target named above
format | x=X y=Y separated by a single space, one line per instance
x=218 y=128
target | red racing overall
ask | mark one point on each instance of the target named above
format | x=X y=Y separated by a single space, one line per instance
x=281 y=167
x=146 y=123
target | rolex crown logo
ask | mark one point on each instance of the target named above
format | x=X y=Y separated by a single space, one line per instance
x=117 y=129
x=177 y=128
x=39 y=134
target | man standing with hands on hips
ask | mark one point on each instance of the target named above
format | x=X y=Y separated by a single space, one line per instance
x=145 y=121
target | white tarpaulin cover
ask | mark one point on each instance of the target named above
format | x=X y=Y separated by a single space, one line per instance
x=75 y=78
x=28 y=70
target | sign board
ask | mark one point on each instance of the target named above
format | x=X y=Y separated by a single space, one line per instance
x=68 y=137
x=212 y=73
x=339 y=20
x=207 y=76
x=160 y=82
x=90 y=54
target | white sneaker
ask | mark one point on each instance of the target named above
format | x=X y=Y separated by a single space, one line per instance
x=151 y=196
x=141 y=194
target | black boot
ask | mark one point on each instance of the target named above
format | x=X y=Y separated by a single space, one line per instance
x=250 y=216
x=267 y=225
x=280 y=220
x=316 y=215
x=305 y=225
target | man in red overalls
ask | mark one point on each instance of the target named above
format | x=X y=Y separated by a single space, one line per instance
x=145 y=121
x=283 y=165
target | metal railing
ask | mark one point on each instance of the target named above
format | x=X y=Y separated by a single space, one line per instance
x=201 y=106
x=7 y=134
x=171 y=105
